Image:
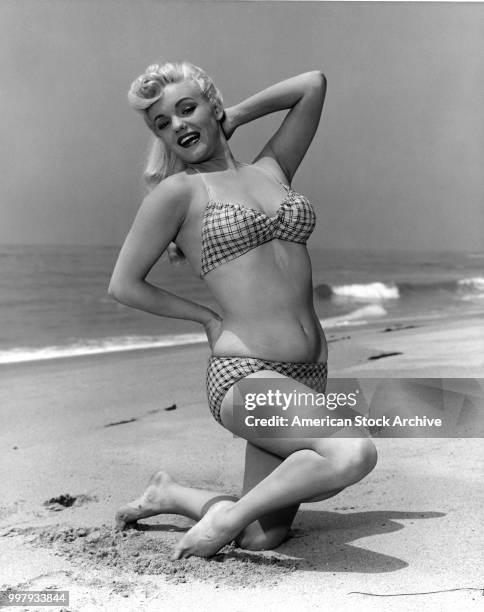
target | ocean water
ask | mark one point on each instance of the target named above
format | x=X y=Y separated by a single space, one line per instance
x=54 y=302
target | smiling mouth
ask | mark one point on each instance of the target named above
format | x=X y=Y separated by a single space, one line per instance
x=189 y=139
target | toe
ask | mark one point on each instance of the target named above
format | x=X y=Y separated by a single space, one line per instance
x=120 y=520
x=125 y=517
x=180 y=552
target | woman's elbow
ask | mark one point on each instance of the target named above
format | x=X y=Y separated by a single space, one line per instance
x=118 y=291
x=316 y=82
x=319 y=78
x=113 y=291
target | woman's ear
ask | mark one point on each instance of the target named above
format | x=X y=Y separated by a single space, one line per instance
x=219 y=112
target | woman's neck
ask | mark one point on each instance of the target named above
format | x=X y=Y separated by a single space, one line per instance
x=222 y=159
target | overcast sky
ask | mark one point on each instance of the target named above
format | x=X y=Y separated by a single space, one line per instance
x=397 y=162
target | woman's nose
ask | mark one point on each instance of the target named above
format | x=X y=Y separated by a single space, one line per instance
x=177 y=124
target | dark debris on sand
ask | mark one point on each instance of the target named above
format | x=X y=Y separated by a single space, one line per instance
x=382 y=355
x=398 y=327
x=123 y=422
x=66 y=501
x=148 y=553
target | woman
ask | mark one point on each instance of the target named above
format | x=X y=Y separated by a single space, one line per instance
x=244 y=230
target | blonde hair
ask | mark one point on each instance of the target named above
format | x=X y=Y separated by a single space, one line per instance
x=148 y=89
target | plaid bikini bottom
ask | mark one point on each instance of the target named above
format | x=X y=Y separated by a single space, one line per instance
x=223 y=372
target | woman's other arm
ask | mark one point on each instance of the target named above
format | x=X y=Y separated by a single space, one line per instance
x=155 y=226
x=304 y=96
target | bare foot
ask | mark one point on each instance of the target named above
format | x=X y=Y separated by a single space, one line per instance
x=209 y=535
x=157 y=499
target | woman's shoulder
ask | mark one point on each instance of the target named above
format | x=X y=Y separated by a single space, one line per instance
x=270 y=166
x=179 y=187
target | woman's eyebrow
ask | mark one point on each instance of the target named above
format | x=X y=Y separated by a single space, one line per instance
x=184 y=100
x=176 y=106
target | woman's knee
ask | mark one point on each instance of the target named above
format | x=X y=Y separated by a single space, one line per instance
x=354 y=459
x=362 y=459
x=257 y=539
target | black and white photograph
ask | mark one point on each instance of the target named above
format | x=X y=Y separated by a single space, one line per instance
x=241 y=305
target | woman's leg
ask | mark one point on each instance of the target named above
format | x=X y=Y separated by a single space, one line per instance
x=313 y=468
x=166 y=496
x=269 y=530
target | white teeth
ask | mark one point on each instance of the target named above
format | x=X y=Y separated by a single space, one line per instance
x=189 y=139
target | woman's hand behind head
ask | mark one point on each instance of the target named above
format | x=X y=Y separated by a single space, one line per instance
x=175 y=254
x=213 y=329
x=228 y=123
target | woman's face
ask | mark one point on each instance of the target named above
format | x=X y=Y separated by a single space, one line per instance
x=186 y=122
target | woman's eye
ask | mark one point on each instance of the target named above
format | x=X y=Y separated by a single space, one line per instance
x=187 y=110
x=161 y=125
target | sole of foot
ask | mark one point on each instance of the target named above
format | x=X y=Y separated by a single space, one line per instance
x=156 y=499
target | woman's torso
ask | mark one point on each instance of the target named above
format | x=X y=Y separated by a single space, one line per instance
x=265 y=294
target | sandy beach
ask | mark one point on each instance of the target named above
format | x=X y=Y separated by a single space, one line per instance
x=89 y=431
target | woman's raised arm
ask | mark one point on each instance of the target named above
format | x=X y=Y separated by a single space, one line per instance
x=304 y=96
x=155 y=226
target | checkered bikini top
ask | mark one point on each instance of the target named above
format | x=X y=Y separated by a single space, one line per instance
x=230 y=229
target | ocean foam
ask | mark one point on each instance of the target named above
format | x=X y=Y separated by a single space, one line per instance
x=356 y=317
x=472 y=284
x=367 y=292
x=96 y=347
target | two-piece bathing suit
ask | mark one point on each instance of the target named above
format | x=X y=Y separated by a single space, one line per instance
x=228 y=231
